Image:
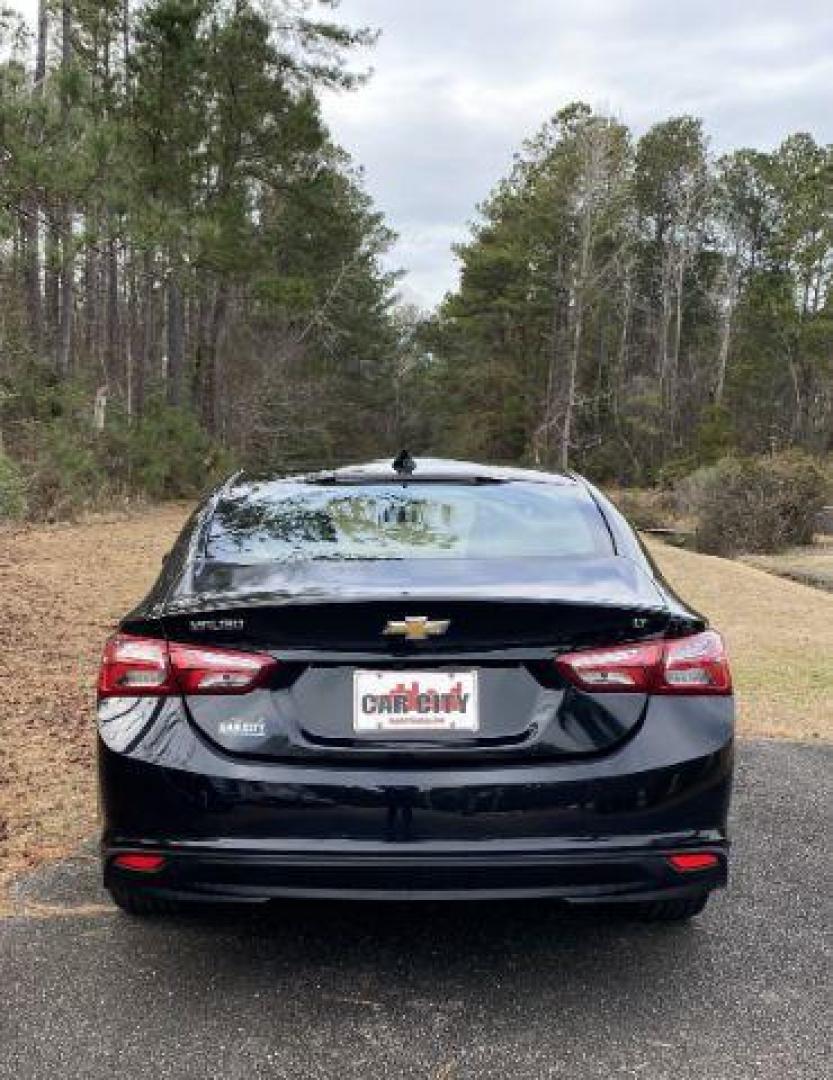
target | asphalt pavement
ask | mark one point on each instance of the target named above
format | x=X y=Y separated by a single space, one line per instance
x=508 y=990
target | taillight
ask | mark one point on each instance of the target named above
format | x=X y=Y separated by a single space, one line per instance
x=696 y=664
x=218 y=671
x=687 y=861
x=140 y=861
x=147 y=667
x=134 y=666
x=627 y=668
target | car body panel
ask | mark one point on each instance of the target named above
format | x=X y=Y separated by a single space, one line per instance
x=560 y=792
x=532 y=829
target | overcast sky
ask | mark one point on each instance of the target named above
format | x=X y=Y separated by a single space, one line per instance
x=458 y=84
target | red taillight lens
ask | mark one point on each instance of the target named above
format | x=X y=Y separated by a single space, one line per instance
x=626 y=668
x=134 y=667
x=219 y=671
x=141 y=861
x=696 y=664
x=687 y=861
x=147 y=667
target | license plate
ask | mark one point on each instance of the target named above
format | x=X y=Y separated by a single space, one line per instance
x=385 y=701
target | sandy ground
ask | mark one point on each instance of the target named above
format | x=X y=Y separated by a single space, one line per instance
x=62 y=587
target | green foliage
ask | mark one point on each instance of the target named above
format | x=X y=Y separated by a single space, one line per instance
x=762 y=504
x=180 y=237
x=637 y=309
x=66 y=466
x=164 y=455
x=12 y=489
x=713 y=437
x=64 y=475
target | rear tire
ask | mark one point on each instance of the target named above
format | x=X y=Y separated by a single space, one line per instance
x=670 y=911
x=142 y=905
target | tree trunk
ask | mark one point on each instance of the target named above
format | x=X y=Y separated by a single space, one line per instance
x=91 y=288
x=218 y=324
x=572 y=380
x=67 y=319
x=52 y=287
x=621 y=370
x=679 y=284
x=665 y=318
x=212 y=327
x=542 y=442
x=40 y=56
x=32 y=270
x=112 y=367
x=725 y=336
x=176 y=339
x=128 y=325
x=580 y=286
x=624 y=337
x=111 y=363
x=67 y=278
x=125 y=40
x=143 y=360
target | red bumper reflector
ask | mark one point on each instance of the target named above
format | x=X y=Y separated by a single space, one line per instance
x=693 y=860
x=141 y=861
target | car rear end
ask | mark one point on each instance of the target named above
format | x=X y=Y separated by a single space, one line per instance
x=449 y=685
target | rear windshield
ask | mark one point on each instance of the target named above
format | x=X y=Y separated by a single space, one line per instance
x=285 y=522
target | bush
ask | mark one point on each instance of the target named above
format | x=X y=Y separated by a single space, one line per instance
x=165 y=455
x=12 y=489
x=64 y=465
x=760 y=504
x=645 y=508
x=65 y=476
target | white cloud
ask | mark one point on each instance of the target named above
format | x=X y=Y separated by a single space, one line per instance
x=459 y=85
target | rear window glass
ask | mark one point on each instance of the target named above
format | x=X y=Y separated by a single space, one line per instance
x=284 y=522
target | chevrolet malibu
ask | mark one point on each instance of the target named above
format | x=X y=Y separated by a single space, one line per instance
x=420 y=679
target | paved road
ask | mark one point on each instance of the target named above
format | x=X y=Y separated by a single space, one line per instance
x=452 y=992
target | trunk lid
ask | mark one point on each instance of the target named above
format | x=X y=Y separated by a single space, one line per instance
x=326 y=624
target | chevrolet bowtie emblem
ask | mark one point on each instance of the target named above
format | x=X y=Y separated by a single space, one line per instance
x=416 y=627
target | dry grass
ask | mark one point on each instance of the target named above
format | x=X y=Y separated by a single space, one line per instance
x=62 y=587
x=780 y=637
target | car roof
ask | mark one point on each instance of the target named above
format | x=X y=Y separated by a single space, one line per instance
x=424 y=469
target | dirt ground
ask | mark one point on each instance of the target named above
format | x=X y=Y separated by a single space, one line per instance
x=62 y=587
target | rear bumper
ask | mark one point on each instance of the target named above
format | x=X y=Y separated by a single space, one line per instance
x=584 y=877
x=596 y=829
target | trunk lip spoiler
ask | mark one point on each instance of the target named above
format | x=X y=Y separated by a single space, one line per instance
x=223 y=601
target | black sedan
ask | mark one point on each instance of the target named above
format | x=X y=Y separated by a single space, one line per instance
x=424 y=679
